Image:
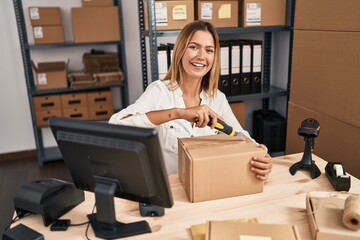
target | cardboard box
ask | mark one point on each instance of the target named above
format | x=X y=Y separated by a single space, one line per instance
x=45 y=16
x=95 y=24
x=97 y=3
x=42 y=117
x=71 y=100
x=327 y=15
x=47 y=102
x=76 y=112
x=172 y=14
x=48 y=34
x=217 y=166
x=324 y=211
x=239 y=112
x=337 y=140
x=263 y=13
x=219 y=13
x=100 y=111
x=100 y=98
x=79 y=80
x=50 y=75
x=325 y=70
x=219 y=230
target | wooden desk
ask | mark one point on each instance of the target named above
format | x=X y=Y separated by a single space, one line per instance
x=283 y=201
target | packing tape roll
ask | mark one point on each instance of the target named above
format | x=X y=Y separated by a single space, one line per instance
x=351 y=215
x=338 y=170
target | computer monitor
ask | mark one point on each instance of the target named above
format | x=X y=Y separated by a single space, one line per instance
x=113 y=161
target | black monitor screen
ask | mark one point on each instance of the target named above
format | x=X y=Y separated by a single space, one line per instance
x=127 y=160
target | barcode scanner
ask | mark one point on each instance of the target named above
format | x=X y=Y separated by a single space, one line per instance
x=309 y=129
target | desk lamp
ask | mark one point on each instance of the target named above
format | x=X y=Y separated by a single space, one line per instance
x=309 y=129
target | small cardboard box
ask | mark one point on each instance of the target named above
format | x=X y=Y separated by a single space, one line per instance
x=47 y=102
x=100 y=112
x=219 y=230
x=263 y=13
x=45 y=16
x=76 y=112
x=100 y=98
x=219 y=13
x=71 y=100
x=331 y=15
x=42 y=117
x=324 y=210
x=48 y=34
x=217 y=166
x=50 y=75
x=97 y=3
x=95 y=24
x=172 y=14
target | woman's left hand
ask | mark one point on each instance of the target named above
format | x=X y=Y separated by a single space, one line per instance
x=261 y=165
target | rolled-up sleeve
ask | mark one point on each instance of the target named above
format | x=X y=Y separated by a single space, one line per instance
x=135 y=114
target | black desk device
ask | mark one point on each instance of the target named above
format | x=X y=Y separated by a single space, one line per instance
x=49 y=197
x=337 y=176
x=21 y=232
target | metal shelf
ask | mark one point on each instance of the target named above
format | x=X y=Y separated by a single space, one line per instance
x=45 y=154
x=224 y=31
x=70 y=44
x=271 y=92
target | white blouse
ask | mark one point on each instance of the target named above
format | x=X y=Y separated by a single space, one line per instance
x=157 y=96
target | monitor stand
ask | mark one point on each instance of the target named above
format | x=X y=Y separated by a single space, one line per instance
x=103 y=222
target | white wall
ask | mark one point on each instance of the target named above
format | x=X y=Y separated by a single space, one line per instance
x=16 y=133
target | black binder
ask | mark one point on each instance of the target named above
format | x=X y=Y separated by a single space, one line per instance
x=224 y=79
x=245 y=67
x=269 y=129
x=234 y=68
x=170 y=48
x=256 y=60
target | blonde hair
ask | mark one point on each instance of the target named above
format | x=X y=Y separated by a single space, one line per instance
x=175 y=74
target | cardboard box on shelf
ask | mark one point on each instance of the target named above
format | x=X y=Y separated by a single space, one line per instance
x=47 y=102
x=45 y=16
x=320 y=80
x=217 y=166
x=48 y=34
x=239 y=111
x=97 y=3
x=263 y=13
x=100 y=98
x=172 y=14
x=95 y=24
x=79 y=80
x=324 y=211
x=42 y=117
x=336 y=141
x=230 y=230
x=327 y=15
x=71 y=100
x=50 y=75
x=100 y=111
x=219 y=13
x=76 y=112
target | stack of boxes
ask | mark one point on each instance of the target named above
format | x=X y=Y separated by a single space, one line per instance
x=94 y=105
x=175 y=14
x=47 y=25
x=324 y=79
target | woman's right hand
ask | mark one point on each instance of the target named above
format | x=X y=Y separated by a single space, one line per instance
x=200 y=115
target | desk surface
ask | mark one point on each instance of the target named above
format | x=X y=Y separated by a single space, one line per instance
x=282 y=201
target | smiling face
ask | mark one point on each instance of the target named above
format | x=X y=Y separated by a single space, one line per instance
x=199 y=55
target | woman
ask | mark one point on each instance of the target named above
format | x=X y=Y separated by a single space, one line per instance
x=182 y=104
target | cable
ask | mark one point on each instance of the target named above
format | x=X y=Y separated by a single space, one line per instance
x=88 y=223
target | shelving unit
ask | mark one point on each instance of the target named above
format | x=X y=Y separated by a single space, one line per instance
x=268 y=90
x=45 y=154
